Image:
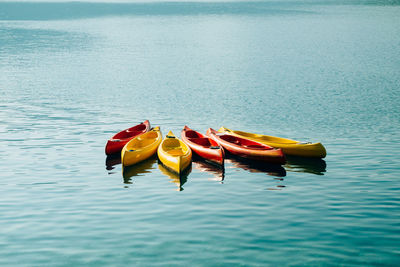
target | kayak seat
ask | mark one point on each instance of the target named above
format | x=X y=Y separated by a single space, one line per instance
x=234 y=141
x=176 y=152
x=201 y=141
x=171 y=143
x=192 y=134
x=133 y=133
x=230 y=139
x=137 y=128
x=124 y=135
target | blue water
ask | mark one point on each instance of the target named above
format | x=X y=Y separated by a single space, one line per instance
x=72 y=74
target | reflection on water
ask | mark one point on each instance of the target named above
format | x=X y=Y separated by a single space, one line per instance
x=306 y=165
x=293 y=164
x=218 y=172
x=178 y=179
x=139 y=169
x=254 y=166
x=112 y=160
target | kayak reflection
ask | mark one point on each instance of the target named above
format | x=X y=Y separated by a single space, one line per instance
x=178 y=179
x=306 y=165
x=255 y=166
x=112 y=160
x=217 y=171
x=139 y=169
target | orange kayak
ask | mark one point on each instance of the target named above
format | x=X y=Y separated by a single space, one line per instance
x=119 y=140
x=203 y=146
x=247 y=148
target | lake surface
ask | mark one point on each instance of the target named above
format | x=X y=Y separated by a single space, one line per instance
x=73 y=74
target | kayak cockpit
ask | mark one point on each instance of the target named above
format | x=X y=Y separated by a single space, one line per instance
x=201 y=141
x=246 y=143
x=193 y=134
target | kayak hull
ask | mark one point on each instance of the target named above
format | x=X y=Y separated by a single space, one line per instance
x=205 y=147
x=141 y=147
x=174 y=154
x=118 y=141
x=246 y=148
x=288 y=146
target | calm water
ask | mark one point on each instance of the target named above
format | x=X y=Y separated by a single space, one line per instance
x=73 y=74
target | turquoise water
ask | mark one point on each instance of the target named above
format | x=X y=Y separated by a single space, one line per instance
x=73 y=74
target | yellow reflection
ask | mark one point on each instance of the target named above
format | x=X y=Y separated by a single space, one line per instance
x=139 y=169
x=178 y=179
x=306 y=165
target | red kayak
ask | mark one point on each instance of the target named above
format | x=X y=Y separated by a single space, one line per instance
x=203 y=146
x=118 y=141
x=247 y=148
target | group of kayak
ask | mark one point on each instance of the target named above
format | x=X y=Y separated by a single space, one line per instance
x=140 y=142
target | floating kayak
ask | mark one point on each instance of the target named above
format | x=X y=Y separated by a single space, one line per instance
x=141 y=147
x=203 y=146
x=247 y=148
x=174 y=154
x=118 y=141
x=289 y=146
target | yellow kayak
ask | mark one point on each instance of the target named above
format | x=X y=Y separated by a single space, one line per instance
x=174 y=154
x=141 y=147
x=288 y=146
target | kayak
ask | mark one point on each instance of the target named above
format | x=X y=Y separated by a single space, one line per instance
x=247 y=148
x=203 y=146
x=119 y=140
x=174 y=154
x=141 y=147
x=289 y=146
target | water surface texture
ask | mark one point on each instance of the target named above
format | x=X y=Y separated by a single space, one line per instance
x=74 y=73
